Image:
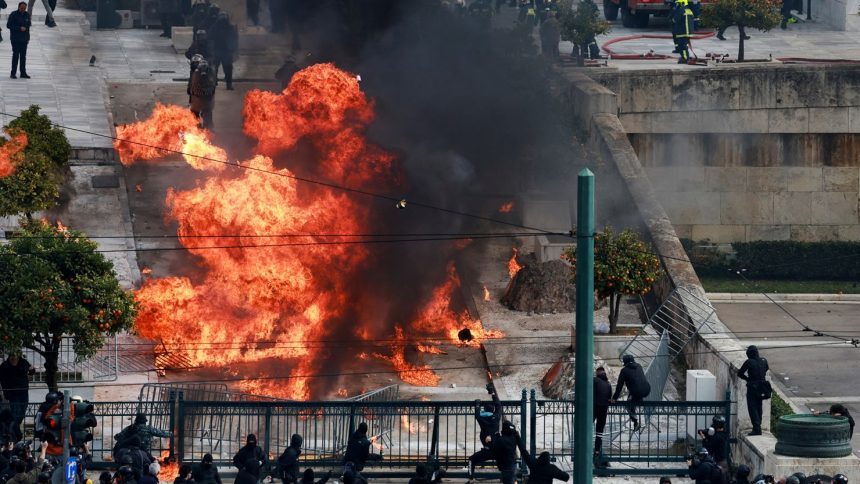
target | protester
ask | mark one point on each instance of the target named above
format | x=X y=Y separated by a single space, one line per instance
x=288 y=462
x=23 y=475
x=134 y=455
x=423 y=475
x=541 y=470
x=125 y=475
x=151 y=474
x=602 y=395
x=703 y=469
x=504 y=448
x=205 y=472
x=225 y=44
x=716 y=440
x=184 y=476
x=839 y=410
x=665 y=480
x=250 y=472
x=358 y=450
x=633 y=377
x=16 y=370
x=754 y=372
x=250 y=451
x=142 y=431
x=308 y=477
x=489 y=416
x=742 y=475
x=352 y=477
x=105 y=478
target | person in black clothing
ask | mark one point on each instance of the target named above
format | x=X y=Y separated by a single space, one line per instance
x=489 y=416
x=358 y=450
x=716 y=440
x=839 y=410
x=424 y=476
x=742 y=475
x=541 y=470
x=18 y=24
x=225 y=43
x=16 y=370
x=250 y=472
x=352 y=477
x=205 y=472
x=252 y=9
x=184 y=476
x=200 y=46
x=633 y=377
x=308 y=477
x=250 y=451
x=703 y=468
x=754 y=372
x=139 y=458
x=504 y=448
x=288 y=462
x=167 y=11
x=602 y=395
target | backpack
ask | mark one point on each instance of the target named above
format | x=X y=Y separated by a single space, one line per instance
x=719 y=475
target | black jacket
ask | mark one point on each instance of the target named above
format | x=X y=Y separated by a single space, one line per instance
x=489 y=424
x=288 y=462
x=755 y=368
x=706 y=470
x=14 y=23
x=357 y=449
x=247 y=453
x=541 y=470
x=504 y=448
x=205 y=474
x=602 y=392
x=633 y=377
x=717 y=445
x=225 y=39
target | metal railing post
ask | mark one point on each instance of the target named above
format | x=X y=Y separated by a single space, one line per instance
x=434 y=442
x=171 y=449
x=523 y=420
x=727 y=414
x=533 y=424
x=180 y=424
x=268 y=427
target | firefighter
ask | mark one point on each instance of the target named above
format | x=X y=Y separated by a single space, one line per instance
x=682 y=29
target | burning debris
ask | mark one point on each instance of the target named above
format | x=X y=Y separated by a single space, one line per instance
x=513 y=265
x=486 y=293
x=540 y=287
x=506 y=207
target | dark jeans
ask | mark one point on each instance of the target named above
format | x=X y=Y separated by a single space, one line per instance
x=600 y=412
x=632 y=401
x=754 y=408
x=683 y=44
x=18 y=406
x=253 y=10
x=509 y=476
x=479 y=457
x=166 y=24
x=19 y=54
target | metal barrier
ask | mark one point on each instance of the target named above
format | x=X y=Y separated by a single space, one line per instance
x=404 y=433
x=659 y=448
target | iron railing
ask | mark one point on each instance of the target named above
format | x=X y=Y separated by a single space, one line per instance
x=101 y=367
x=405 y=432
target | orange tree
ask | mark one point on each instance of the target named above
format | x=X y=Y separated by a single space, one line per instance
x=623 y=265
x=55 y=284
x=757 y=14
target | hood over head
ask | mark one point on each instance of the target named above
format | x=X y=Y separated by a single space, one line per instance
x=296 y=441
x=752 y=352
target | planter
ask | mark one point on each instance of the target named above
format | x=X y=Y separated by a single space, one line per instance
x=813 y=436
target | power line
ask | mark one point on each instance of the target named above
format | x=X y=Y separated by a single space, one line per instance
x=240 y=236
x=390 y=198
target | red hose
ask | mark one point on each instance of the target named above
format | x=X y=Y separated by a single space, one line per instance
x=806 y=60
x=648 y=56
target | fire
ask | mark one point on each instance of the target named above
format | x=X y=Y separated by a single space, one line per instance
x=342 y=393
x=263 y=299
x=486 y=293
x=146 y=271
x=10 y=151
x=506 y=207
x=410 y=426
x=429 y=349
x=138 y=188
x=169 y=468
x=513 y=265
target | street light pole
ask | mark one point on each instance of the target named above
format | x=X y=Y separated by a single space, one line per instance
x=583 y=434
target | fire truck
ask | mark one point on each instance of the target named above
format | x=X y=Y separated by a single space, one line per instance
x=635 y=13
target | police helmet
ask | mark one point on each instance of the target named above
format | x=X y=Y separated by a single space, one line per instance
x=702 y=452
x=627 y=359
x=718 y=422
x=840 y=479
x=53 y=397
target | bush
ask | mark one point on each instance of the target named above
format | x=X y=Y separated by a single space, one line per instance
x=42 y=135
x=786 y=260
x=778 y=408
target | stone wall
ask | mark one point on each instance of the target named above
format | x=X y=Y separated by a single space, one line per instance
x=746 y=153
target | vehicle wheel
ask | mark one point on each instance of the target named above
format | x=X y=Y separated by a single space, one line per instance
x=641 y=19
x=627 y=18
x=610 y=10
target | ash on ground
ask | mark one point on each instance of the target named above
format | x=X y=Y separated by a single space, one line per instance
x=541 y=287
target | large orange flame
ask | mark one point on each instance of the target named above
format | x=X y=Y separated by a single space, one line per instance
x=513 y=265
x=265 y=297
x=10 y=151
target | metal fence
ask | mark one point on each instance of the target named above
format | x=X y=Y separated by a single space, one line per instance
x=404 y=432
x=658 y=447
x=101 y=367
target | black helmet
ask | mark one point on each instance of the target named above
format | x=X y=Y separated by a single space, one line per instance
x=840 y=479
x=702 y=451
x=53 y=397
x=627 y=359
x=718 y=421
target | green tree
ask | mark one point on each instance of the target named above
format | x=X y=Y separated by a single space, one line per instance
x=623 y=265
x=54 y=284
x=762 y=15
x=580 y=24
x=34 y=185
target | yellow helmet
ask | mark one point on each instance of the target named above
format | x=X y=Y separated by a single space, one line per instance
x=683 y=3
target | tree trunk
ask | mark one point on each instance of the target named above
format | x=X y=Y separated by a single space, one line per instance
x=741 y=44
x=52 y=356
x=580 y=57
x=614 y=300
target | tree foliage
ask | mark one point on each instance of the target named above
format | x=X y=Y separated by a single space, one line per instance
x=34 y=184
x=758 y=14
x=623 y=265
x=54 y=283
x=581 y=22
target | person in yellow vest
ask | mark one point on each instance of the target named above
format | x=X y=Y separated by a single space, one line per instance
x=682 y=29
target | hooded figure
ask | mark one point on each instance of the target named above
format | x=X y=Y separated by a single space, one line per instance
x=633 y=377
x=137 y=458
x=308 y=477
x=602 y=394
x=288 y=462
x=504 y=448
x=754 y=372
x=542 y=470
x=205 y=472
x=742 y=475
x=839 y=410
x=142 y=431
x=358 y=448
x=251 y=451
x=488 y=415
